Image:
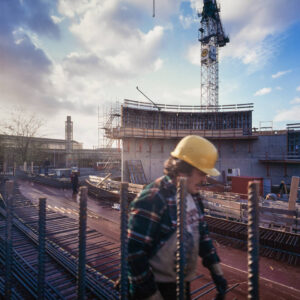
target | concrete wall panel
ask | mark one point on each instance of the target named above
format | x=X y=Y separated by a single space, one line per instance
x=242 y=154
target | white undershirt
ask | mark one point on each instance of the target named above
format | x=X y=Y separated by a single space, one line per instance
x=163 y=263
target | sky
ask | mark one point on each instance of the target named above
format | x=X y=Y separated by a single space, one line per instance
x=78 y=57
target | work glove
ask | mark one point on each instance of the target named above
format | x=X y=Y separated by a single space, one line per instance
x=219 y=280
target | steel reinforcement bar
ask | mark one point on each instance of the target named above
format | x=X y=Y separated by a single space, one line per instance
x=279 y=245
x=98 y=285
x=102 y=256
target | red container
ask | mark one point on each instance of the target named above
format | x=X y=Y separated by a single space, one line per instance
x=240 y=184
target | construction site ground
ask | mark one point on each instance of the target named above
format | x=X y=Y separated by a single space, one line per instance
x=277 y=280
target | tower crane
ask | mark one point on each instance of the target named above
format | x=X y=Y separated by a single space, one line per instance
x=211 y=36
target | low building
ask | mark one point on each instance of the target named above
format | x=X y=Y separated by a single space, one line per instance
x=59 y=153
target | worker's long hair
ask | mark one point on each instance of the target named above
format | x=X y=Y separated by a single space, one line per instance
x=174 y=166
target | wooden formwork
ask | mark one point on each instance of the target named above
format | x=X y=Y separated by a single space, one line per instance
x=273 y=214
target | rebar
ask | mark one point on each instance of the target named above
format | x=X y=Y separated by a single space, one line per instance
x=124 y=240
x=180 y=230
x=9 y=185
x=96 y=283
x=41 y=255
x=82 y=243
x=253 y=241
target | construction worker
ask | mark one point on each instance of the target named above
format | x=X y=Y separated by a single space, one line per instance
x=46 y=166
x=152 y=226
x=74 y=182
x=282 y=188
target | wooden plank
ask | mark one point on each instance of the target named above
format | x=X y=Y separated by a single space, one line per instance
x=229 y=204
x=215 y=210
x=278 y=211
x=223 y=196
x=135 y=188
x=95 y=178
x=225 y=210
x=103 y=180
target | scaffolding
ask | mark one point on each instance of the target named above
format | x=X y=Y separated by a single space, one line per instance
x=145 y=120
x=108 y=118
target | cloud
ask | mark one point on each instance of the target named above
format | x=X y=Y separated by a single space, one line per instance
x=163 y=8
x=193 y=54
x=122 y=47
x=289 y=115
x=279 y=88
x=111 y=55
x=158 y=64
x=192 y=92
x=280 y=73
x=295 y=100
x=254 y=27
x=30 y=15
x=298 y=88
x=187 y=21
x=56 y=19
x=25 y=68
x=263 y=91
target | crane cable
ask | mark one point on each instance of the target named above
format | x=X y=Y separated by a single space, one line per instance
x=153 y=15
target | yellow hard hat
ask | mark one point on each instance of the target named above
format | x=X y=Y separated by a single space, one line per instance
x=198 y=152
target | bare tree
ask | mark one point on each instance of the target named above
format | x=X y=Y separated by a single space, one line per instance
x=23 y=127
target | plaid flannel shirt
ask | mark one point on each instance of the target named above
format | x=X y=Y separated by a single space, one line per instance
x=152 y=220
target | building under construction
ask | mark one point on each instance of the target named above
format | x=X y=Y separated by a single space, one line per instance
x=150 y=132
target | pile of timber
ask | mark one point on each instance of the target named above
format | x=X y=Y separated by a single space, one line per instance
x=225 y=205
x=279 y=215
